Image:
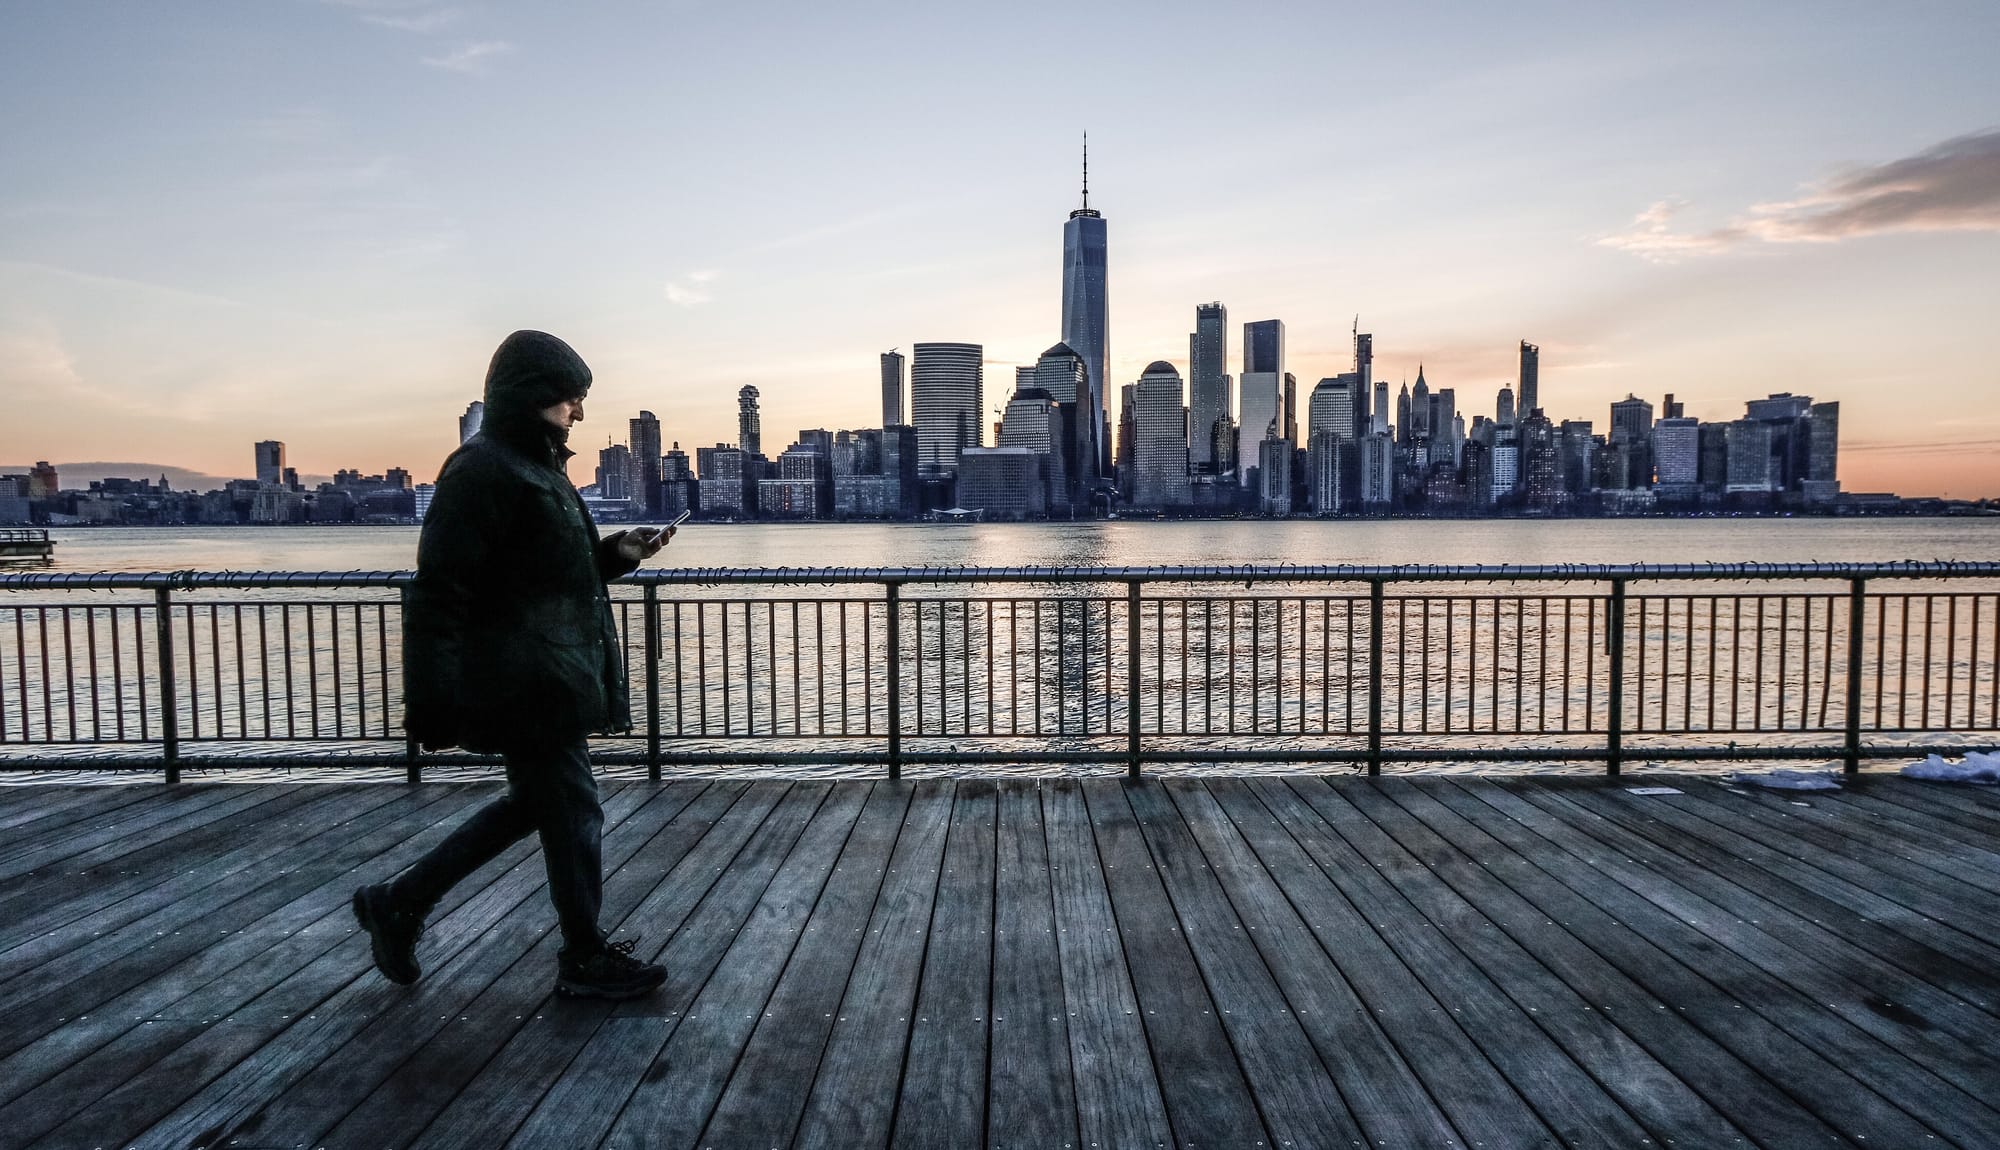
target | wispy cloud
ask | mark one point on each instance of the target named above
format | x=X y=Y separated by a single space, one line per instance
x=691 y=289
x=421 y=22
x=472 y=59
x=1953 y=186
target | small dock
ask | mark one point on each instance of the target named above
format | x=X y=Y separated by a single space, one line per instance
x=1424 y=961
x=26 y=545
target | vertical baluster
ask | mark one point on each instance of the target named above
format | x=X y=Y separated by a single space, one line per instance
x=1615 y=633
x=117 y=681
x=413 y=757
x=893 y=592
x=169 y=711
x=1857 y=601
x=1930 y=633
x=1374 y=678
x=1424 y=668
x=1131 y=679
x=650 y=617
x=1038 y=666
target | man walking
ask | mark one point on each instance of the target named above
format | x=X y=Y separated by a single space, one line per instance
x=509 y=647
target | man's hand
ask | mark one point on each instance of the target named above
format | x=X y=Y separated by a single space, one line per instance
x=637 y=546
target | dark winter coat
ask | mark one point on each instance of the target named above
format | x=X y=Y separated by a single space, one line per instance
x=508 y=637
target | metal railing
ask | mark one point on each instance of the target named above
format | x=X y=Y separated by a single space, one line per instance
x=963 y=666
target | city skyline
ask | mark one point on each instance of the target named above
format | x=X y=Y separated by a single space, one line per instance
x=294 y=246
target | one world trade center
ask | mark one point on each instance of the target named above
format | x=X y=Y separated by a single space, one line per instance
x=1084 y=313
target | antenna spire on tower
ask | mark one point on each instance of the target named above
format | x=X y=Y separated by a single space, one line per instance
x=1086 y=169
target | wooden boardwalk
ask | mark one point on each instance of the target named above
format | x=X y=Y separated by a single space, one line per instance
x=1260 y=962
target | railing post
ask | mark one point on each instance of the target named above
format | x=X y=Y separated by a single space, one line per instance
x=1857 y=621
x=652 y=654
x=413 y=763
x=170 y=733
x=1614 y=635
x=1375 y=678
x=895 y=592
x=1132 y=680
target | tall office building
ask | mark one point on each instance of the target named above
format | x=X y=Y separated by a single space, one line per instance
x=749 y=424
x=1337 y=404
x=946 y=398
x=614 y=474
x=1159 y=424
x=1086 y=312
x=1061 y=373
x=270 y=462
x=1209 y=396
x=892 y=388
x=1421 y=430
x=1379 y=422
x=1631 y=420
x=1822 y=481
x=1677 y=455
x=473 y=419
x=1531 y=371
x=1263 y=396
x=643 y=434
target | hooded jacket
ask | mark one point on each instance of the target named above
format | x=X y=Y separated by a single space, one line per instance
x=508 y=638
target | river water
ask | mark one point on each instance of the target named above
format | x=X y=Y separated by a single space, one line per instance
x=1110 y=543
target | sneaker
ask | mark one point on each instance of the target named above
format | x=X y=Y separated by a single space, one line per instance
x=607 y=972
x=392 y=933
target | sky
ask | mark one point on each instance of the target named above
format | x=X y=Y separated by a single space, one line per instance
x=312 y=221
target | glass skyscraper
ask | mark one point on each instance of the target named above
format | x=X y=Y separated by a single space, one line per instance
x=1262 y=386
x=945 y=400
x=1208 y=382
x=1085 y=315
x=892 y=389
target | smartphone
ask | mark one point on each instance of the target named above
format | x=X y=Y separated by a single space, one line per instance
x=679 y=519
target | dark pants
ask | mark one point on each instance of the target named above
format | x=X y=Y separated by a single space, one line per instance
x=550 y=791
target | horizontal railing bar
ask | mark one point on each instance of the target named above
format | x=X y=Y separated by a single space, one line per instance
x=1407 y=573
x=1829 y=752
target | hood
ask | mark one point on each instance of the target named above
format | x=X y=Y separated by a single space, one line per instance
x=530 y=371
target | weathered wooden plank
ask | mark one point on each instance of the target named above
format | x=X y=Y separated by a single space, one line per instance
x=1970 y=806
x=1208 y=1101
x=40 y=806
x=491 y=1106
x=1973 y=855
x=1651 y=1092
x=1298 y=1100
x=1711 y=1084
x=204 y=1088
x=424 y=1083
x=1386 y=1096
x=163 y=889
x=1118 y=1093
x=673 y=1101
x=175 y=851
x=1563 y=1093
x=767 y=1091
x=1818 y=962
x=515 y=958
x=853 y=1096
x=1277 y=826
x=108 y=835
x=943 y=1097
x=1031 y=1097
x=251 y=965
x=108 y=859
x=1886 y=853
x=1921 y=955
x=582 y=1107
x=1807 y=1050
x=155 y=982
